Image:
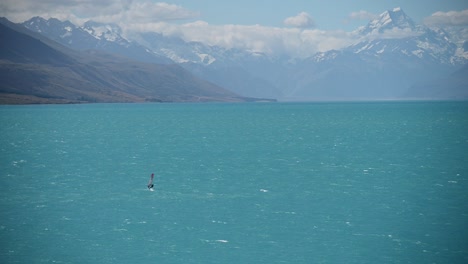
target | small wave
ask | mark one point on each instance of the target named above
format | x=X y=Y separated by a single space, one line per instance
x=218 y=222
x=215 y=241
x=16 y=163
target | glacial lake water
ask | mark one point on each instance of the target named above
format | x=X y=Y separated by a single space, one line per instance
x=380 y=182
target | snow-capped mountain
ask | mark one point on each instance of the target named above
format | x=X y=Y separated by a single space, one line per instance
x=389 y=20
x=92 y=35
x=391 y=54
x=63 y=32
x=395 y=34
x=105 y=32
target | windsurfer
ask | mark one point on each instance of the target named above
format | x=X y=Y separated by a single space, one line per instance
x=150 y=183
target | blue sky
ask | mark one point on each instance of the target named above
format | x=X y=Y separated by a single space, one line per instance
x=297 y=28
x=327 y=14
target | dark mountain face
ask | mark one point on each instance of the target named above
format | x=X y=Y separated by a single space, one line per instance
x=453 y=86
x=35 y=72
x=22 y=48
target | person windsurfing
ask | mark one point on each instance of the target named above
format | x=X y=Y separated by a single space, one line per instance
x=150 y=183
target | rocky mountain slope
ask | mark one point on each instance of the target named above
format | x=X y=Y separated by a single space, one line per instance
x=34 y=69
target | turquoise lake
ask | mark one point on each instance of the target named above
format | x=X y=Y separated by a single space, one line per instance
x=362 y=182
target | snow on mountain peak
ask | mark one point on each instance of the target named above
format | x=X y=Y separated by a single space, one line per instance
x=389 y=20
x=109 y=32
x=395 y=34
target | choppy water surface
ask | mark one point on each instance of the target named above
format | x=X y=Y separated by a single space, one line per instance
x=235 y=183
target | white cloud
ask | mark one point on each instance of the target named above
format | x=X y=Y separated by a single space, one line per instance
x=327 y=40
x=451 y=18
x=271 y=40
x=362 y=15
x=302 y=20
x=147 y=16
x=394 y=33
x=121 y=11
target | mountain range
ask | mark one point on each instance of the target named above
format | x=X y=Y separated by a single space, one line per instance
x=394 y=58
x=36 y=69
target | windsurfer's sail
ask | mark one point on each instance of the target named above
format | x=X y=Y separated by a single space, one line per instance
x=150 y=183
